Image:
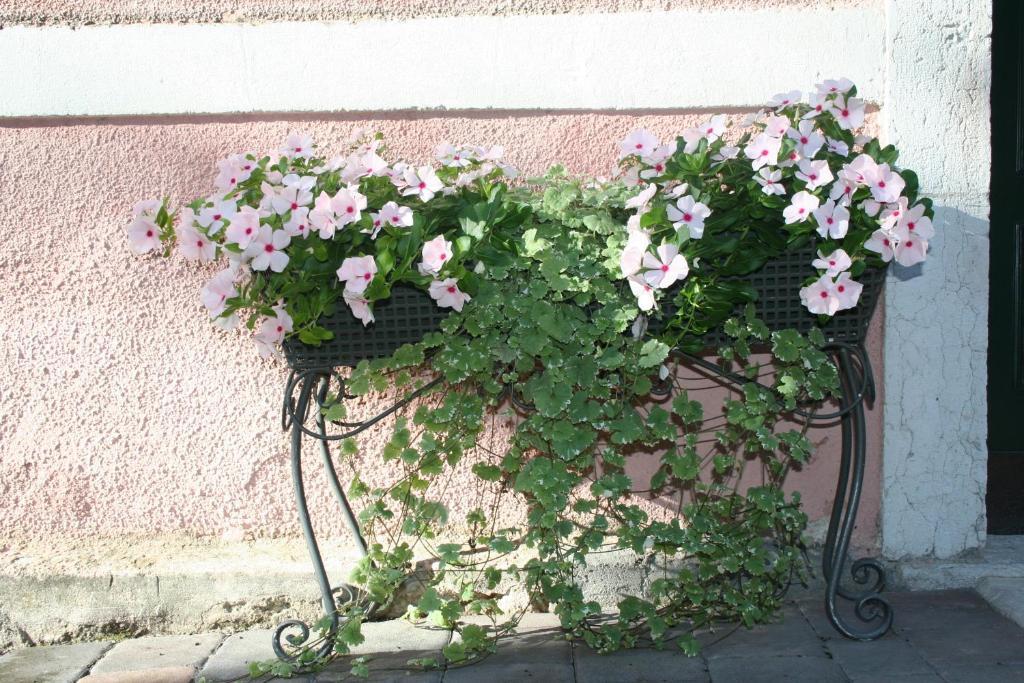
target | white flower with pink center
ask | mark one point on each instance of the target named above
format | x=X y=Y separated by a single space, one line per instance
x=215 y=214
x=357 y=272
x=763 y=150
x=910 y=249
x=453 y=156
x=447 y=293
x=243 y=228
x=833 y=220
x=359 y=305
x=842 y=191
x=143 y=235
x=639 y=142
x=194 y=245
x=322 y=218
x=914 y=222
x=298 y=224
x=235 y=169
x=862 y=170
x=815 y=173
x=893 y=213
x=633 y=253
x=777 y=126
x=272 y=332
x=436 y=254
x=786 y=99
x=820 y=297
x=267 y=249
x=394 y=215
x=833 y=264
x=348 y=204
x=666 y=268
x=848 y=112
x=711 y=130
x=835 y=86
x=657 y=160
x=640 y=201
x=808 y=139
x=216 y=292
x=770 y=181
x=818 y=103
x=847 y=291
x=837 y=147
x=886 y=185
x=643 y=292
x=803 y=205
x=421 y=182
x=882 y=243
x=298 y=146
x=725 y=153
x=296 y=193
x=690 y=213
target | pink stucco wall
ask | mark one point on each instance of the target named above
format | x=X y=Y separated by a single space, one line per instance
x=122 y=411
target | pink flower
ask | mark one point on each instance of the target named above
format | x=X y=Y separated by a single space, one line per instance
x=298 y=224
x=296 y=193
x=357 y=272
x=820 y=297
x=914 y=222
x=633 y=253
x=272 y=332
x=348 y=204
x=786 y=99
x=359 y=305
x=833 y=264
x=298 y=146
x=690 y=213
x=849 y=112
x=436 y=254
x=322 y=217
x=643 y=292
x=763 y=150
x=143 y=235
x=665 y=268
x=194 y=245
x=770 y=181
x=808 y=139
x=815 y=173
x=235 y=169
x=883 y=243
x=216 y=215
x=243 y=227
x=639 y=142
x=777 y=126
x=847 y=291
x=394 y=215
x=833 y=220
x=886 y=185
x=422 y=182
x=447 y=294
x=910 y=249
x=804 y=204
x=267 y=249
x=217 y=292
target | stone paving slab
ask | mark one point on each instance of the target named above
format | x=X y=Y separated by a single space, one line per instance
x=50 y=664
x=171 y=674
x=537 y=651
x=231 y=660
x=774 y=669
x=791 y=636
x=156 y=652
x=670 y=665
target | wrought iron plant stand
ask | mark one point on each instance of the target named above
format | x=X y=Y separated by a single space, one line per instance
x=409 y=314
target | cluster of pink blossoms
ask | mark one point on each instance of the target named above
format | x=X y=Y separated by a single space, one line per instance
x=817 y=191
x=255 y=235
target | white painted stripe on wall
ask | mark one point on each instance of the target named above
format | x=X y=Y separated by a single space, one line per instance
x=676 y=59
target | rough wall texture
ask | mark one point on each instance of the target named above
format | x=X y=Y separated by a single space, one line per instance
x=937 y=113
x=179 y=11
x=123 y=412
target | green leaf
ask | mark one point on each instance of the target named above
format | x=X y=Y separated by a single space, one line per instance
x=652 y=353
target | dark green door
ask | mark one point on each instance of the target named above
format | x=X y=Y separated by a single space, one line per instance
x=1006 y=298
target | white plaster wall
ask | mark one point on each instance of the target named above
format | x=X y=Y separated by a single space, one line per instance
x=936 y=110
x=601 y=61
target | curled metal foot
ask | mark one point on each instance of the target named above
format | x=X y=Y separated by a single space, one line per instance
x=289 y=646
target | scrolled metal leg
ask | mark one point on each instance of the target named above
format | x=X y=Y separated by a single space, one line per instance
x=301 y=632
x=870 y=607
